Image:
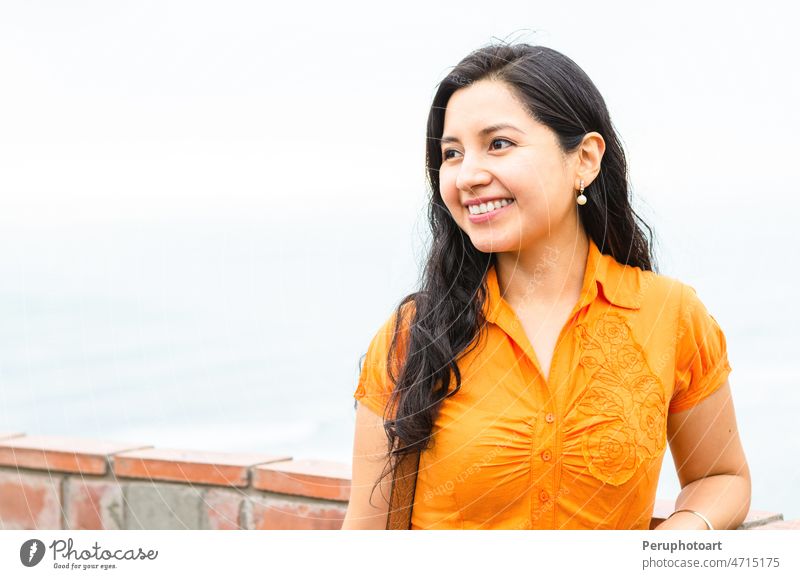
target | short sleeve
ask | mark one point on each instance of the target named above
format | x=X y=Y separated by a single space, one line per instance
x=701 y=354
x=374 y=384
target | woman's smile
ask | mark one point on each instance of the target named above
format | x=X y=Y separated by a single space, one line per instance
x=486 y=211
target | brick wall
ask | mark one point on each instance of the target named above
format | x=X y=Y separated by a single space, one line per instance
x=71 y=483
x=76 y=483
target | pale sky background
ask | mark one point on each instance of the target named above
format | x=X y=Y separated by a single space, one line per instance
x=250 y=171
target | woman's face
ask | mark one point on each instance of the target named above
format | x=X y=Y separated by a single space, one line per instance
x=524 y=165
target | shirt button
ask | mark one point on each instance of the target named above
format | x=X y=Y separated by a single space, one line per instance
x=550 y=417
x=546 y=455
x=544 y=496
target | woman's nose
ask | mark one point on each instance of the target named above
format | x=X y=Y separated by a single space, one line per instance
x=471 y=174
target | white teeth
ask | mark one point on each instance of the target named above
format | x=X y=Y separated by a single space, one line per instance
x=490 y=206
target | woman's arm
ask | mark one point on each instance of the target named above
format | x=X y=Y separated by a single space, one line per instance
x=712 y=468
x=370 y=447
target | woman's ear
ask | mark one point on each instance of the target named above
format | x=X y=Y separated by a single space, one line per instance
x=590 y=154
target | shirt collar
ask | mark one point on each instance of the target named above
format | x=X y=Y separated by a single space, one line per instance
x=618 y=284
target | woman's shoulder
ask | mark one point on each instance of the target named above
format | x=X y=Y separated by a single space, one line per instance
x=662 y=288
x=668 y=293
x=392 y=325
x=406 y=310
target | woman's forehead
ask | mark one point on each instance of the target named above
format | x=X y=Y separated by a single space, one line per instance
x=482 y=105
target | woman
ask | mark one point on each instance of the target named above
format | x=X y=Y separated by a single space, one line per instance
x=543 y=366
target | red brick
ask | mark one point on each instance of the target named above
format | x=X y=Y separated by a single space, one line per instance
x=216 y=468
x=320 y=479
x=92 y=504
x=58 y=453
x=268 y=513
x=222 y=508
x=30 y=501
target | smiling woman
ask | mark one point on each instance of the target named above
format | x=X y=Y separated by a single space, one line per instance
x=528 y=167
x=535 y=379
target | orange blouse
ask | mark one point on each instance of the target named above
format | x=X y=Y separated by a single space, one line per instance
x=582 y=450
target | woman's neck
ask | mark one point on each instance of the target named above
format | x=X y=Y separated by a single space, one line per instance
x=548 y=273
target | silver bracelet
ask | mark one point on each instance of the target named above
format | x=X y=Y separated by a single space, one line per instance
x=705 y=519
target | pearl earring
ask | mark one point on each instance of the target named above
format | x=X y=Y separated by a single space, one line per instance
x=581 y=198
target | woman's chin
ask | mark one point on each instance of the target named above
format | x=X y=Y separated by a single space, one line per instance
x=490 y=245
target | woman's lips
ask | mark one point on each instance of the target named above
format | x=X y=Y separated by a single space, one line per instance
x=490 y=215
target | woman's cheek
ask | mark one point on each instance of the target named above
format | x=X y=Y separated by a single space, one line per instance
x=451 y=201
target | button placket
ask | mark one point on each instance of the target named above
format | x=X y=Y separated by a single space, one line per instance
x=546 y=456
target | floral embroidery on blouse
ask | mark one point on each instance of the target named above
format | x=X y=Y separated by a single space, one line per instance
x=623 y=407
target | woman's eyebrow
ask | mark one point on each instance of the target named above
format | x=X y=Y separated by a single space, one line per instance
x=485 y=131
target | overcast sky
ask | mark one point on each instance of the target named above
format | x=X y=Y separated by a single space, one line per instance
x=124 y=109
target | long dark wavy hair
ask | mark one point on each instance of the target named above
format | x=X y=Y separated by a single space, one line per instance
x=444 y=318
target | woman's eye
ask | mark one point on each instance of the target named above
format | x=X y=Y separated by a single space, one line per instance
x=445 y=154
x=504 y=140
